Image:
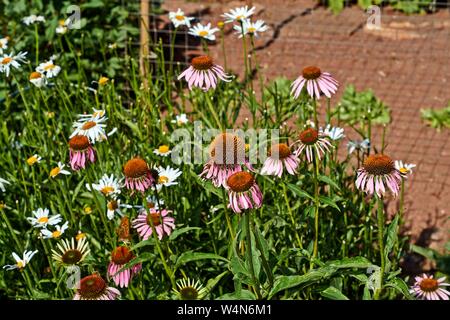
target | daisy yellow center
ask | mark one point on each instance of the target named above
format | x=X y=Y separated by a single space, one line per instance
x=88 y=125
x=92 y=287
x=251 y=29
x=32 y=160
x=107 y=190
x=239 y=17
x=311 y=73
x=228 y=149
x=42 y=220
x=112 y=205
x=49 y=67
x=163 y=149
x=20 y=265
x=56 y=234
x=79 y=143
x=103 y=81
x=55 y=171
x=154 y=218
x=203 y=33
x=379 y=164
x=121 y=255
x=98 y=113
x=429 y=285
x=62 y=23
x=6 y=60
x=135 y=168
x=309 y=136
x=163 y=179
x=281 y=150
x=35 y=75
x=403 y=170
x=188 y=293
x=202 y=63
x=179 y=17
x=88 y=210
x=71 y=256
x=80 y=236
x=240 y=181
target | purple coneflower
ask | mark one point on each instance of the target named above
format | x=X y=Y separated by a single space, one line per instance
x=162 y=223
x=226 y=156
x=80 y=152
x=119 y=257
x=377 y=173
x=138 y=175
x=316 y=82
x=203 y=73
x=93 y=287
x=280 y=156
x=243 y=192
x=312 y=142
x=427 y=288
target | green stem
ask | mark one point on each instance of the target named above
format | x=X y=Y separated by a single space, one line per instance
x=316 y=121
x=380 y=219
x=291 y=215
x=213 y=111
x=227 y=215
x=36 y=35
x=329 y=111
x=248 y=238
x=264 y=260
x=316 y=211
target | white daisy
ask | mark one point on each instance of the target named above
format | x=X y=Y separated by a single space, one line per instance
x=114 y=206
x=358 y=145
x=33 y=19
x=59 y=169
x=96 y=114
x=9 y=60
x=335 y=133
x=167 y=176
x=35 y=158
x=38 y=79
x=41 y=218
x=3 y=44
x=2 y=184
x=203 y=31
x=49 y=69
x=56 y=233
x=20 y=263
x=151 y=203
x=251 y=28
x=163 y=151
x=238 y=14
x=404 y=168
x=92 y=127
x=180 y=119
x=108 y=186
x=62 y=26
x=179 y=19
x=70 y=253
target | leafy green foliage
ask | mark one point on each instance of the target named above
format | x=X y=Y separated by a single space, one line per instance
x=437 y=118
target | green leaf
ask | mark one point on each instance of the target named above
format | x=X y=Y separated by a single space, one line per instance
x=194 y=256
x=177 y=232
x=329 y=181
x=213 y=282
x=391 y=237
x=242 y=295
x=401 y=287
x=315 y=275
x=336 y=5
x=333 y=294
x=426 y=252
x=301 y=193
x=78 y=188
x=329 y=202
